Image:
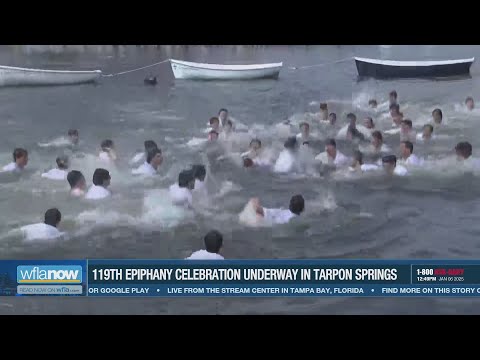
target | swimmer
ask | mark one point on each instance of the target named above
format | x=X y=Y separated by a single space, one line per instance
x=199 y=173
x=60 y=173
x=213 y=244
x=352 y=119
x=372 y=103
x=181 y=192
x=286 y=159
x=150 y=166
x=223 y=116
x=408 y=157
x=107 y=152
x=77 y=183
x=353 y=134
x=213 y=135
x=377 y=143
x=332 y=119
x=463 y=150
x=101 y=180
x=427 y=133
x=281 y=216
x=44 y=231
x=368 y=123
x=469 y=103
x=357 y=163
x=254 y=149
x=214 y=124
x=73 y=136
x=437 y=116
x=332 y=156
x=396 y=115
x=20 y=160
x=406 y=131
x=392 y=97
x=227 y=130
x=304 y=134
x=391 y=168
x=141 y=156
x=323 y=112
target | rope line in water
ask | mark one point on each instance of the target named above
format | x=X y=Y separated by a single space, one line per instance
x=141 y=68
x=322 y=64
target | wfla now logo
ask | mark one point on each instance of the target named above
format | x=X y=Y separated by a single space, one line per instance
x=49 y=274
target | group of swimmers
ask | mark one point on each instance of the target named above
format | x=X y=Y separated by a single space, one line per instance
x=221 y=127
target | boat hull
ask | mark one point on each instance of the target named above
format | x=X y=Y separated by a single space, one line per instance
x=197 y=71
x=13 y=76
x=398 y=69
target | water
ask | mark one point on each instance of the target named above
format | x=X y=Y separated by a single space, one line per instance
x=432 y=214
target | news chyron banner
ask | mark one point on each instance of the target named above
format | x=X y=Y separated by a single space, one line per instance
x=241 y=278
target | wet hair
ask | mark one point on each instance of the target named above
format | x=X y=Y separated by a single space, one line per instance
x=465 y=148
x=257 y=141
x=74 y=177
x=377 y=135
x=393 y=93
x=352 y=117
x=213 y=132
x=53 y=217
x=304 y=123
x=247 y=162
x=469 y=98
x=106 y=144
x=372 y=102
x=439 y=112
x=214 y=119
x=334 y=115
x=291 y=143
x=219 y=111
x=213 y=241
x=100 y=176
x=297 y=204
x=428 y=126
x=389 y=159
x=306 y=143
x=331 y=142
x=199 y=172
x=395 y=106
x=323 y=106
x=19 y=153
x=150 y=144
x=185 y=177
x=62 y=162
x=73 y=132
x=357 y=155
x=152 y=153
x=408 y=145
x=407 y=122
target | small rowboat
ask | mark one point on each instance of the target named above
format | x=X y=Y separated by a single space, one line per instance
x=15 y=76
x=199 y=71
x=412 y=69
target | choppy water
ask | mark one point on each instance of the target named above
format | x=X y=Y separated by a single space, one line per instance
x=432 y=214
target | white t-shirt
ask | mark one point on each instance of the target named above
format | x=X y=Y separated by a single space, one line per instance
x=340 y=159
x=278 y=216
x=77 y=192
x=400 y=170
x=205 y=255
x=145 y=169
x=55 y=174
x=97 y=192
x=421 y=138
x=40 y=231
x=12 y=167
x=200 y=187
x=285 y=162
x=413 y=160
x=180 y=195
x=369 y=167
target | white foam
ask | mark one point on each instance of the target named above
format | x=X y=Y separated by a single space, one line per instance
x=57 y=142
x=249 y=217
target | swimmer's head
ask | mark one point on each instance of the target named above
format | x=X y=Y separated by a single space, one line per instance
x=101 y=177
x=372 y=103
x=357 y=159
x=406 y=126
x=332 y=118
x=247 y=162
x=107 y=145
x=427 y=131
x=291 y=143
x=463 y=150
x=73 y=136
x=323 y=111
x=469 y=103
x=199 y=172
x=323 y=107
x=394 y=109
x=255 y=144
x=437 y=116
x=76 y=180
x=213 y=241
x=406 y=149
x=20 y=157
x=297 y=204
x=223 y=115
x=154 y=157
x=62 y=162
x=150 y=144
x=228 y=127
x=304 y=128
x=368 y=122
x=186 y=179
x=389 y=163
x=214 y=123
x=53 y=217
x=352 y=119
x=213 y=135
x=331 y=147
x=393 y=97
x=377 y=139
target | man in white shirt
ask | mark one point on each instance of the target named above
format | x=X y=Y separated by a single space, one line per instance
x=213 y=244
x=46 y=230
x=408 y=157
x=332 y=156
x=304 y=134
x=281 y=216
x=60 y=173
x=437 y=116
x=107 y=153
x=20 y=160
x=406 y=131
x=181 y=192
x=223 y=117
x=286 y=160
x=377 y=143
x=358 y=165
x=150 y=166
x=141 y=156
x=391 y=168
x=73 y=136
x=469 y=103
x=77 y=182
x=323 y=112
x=427 y=134
x=101 y=180
x=200 y=173
x=369 y=124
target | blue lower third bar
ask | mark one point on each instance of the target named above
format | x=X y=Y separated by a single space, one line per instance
x=284 y=290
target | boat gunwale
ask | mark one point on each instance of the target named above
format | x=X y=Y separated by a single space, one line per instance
x=229 y=67
x=401 y=63
x=80 y=72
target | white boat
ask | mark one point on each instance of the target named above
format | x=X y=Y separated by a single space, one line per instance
x=200 y=71
x=15 y=76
